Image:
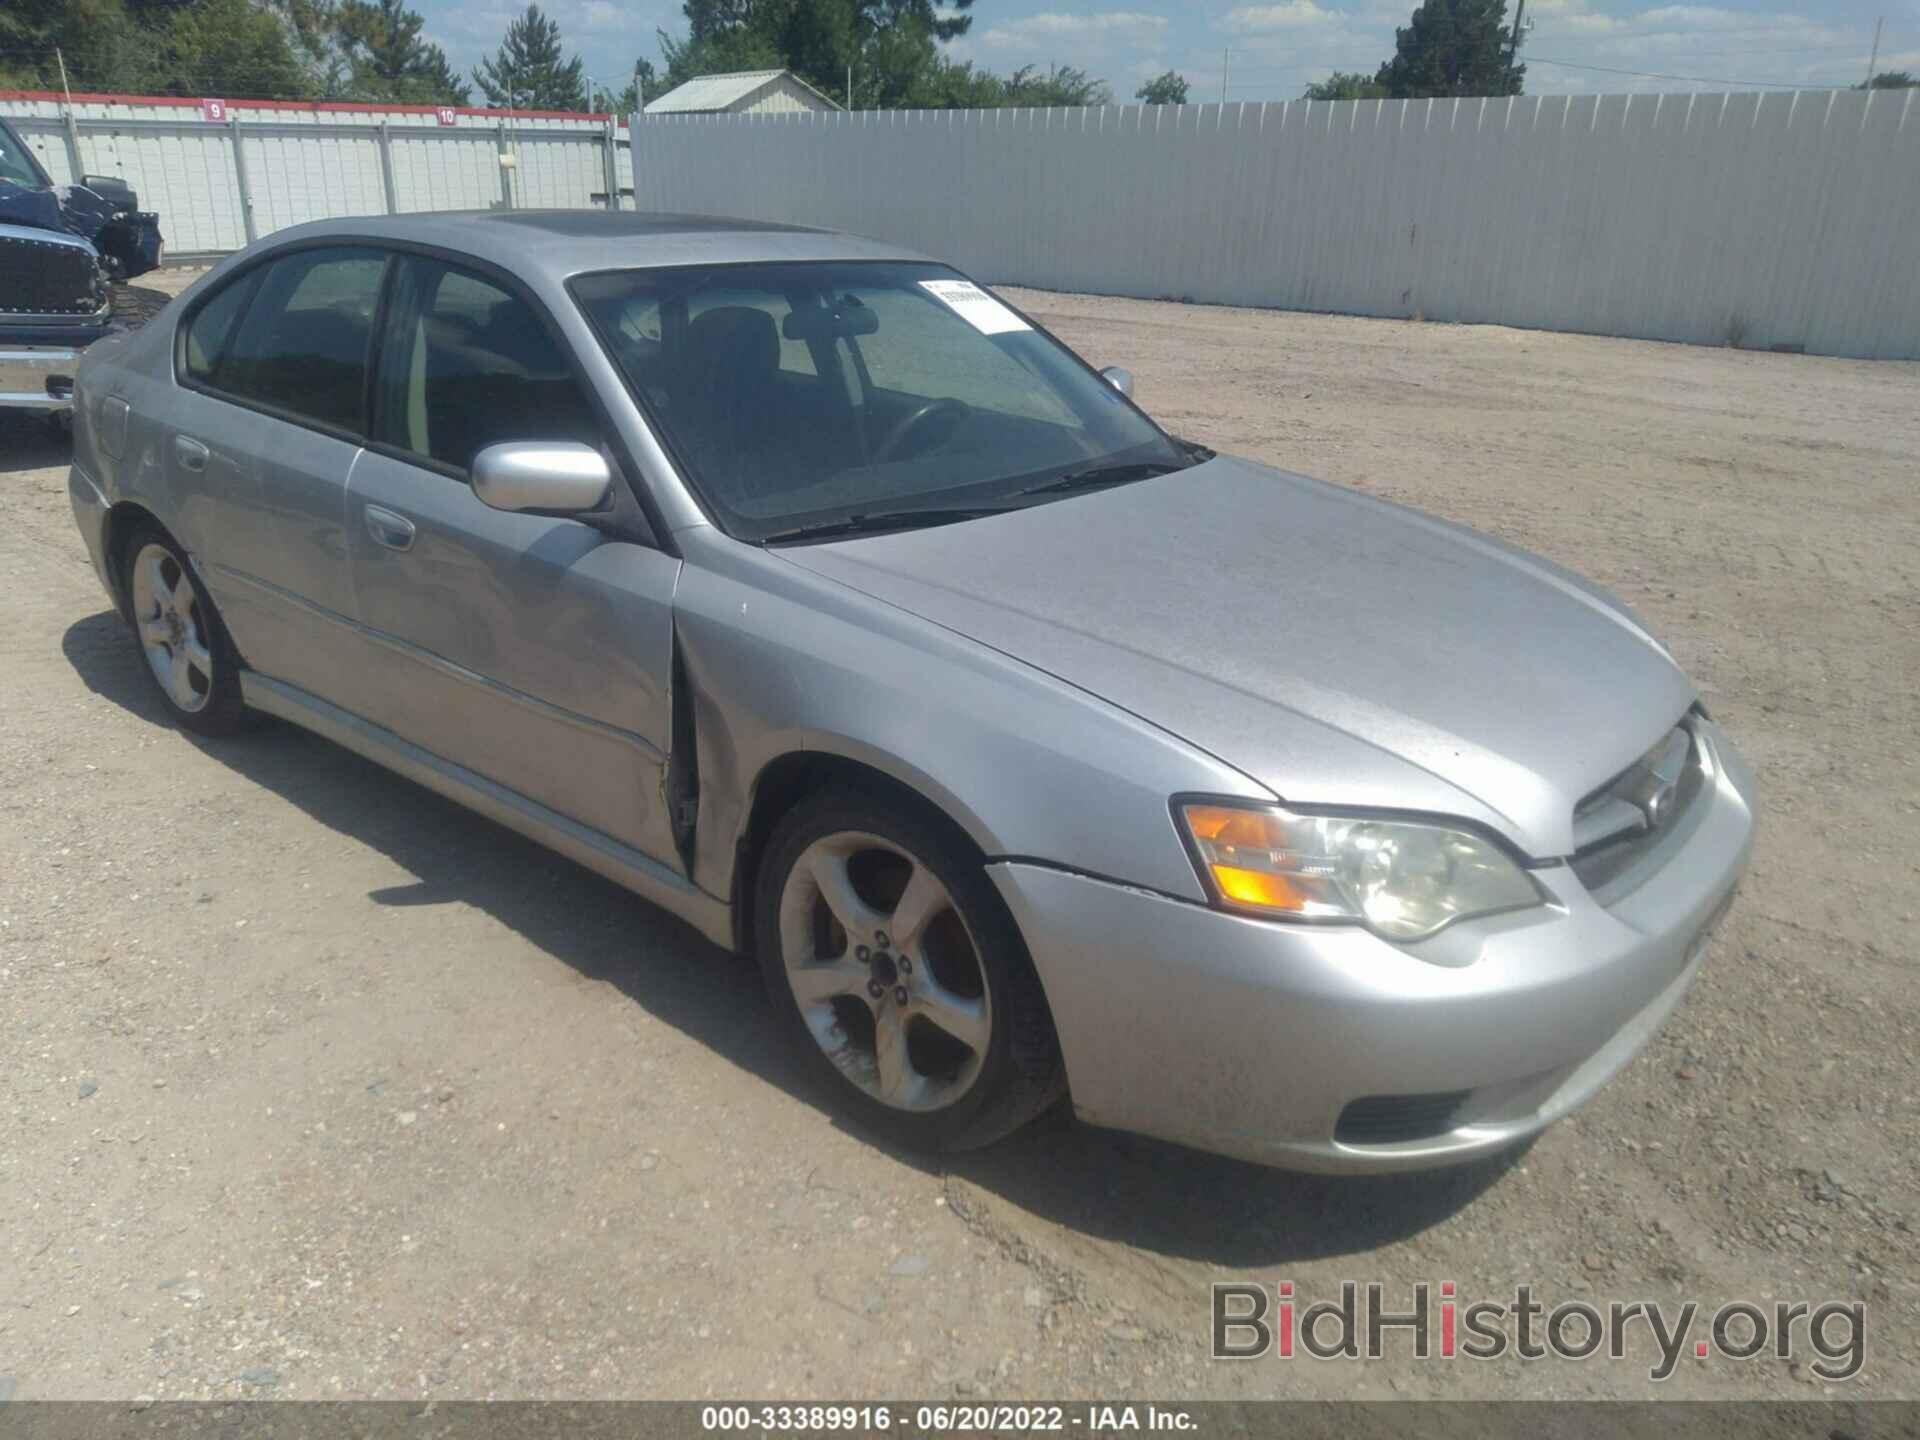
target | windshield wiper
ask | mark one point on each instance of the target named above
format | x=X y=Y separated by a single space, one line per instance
x=879 y=520
x=1096 y=476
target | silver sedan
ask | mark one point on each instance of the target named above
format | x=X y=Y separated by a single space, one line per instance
x=811 y=591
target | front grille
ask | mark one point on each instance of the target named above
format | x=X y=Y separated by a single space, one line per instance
x=1618 y=825
x=1394 y=1119
x=49 y=277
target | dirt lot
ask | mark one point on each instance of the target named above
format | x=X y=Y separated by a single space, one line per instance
x=315 y=1086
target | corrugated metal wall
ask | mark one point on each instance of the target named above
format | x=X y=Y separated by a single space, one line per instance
x=785 y=96
x=1788 y=219
x=305 y=163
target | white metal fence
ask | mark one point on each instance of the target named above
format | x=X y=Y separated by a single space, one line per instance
x=1785 y=219
x=220 y=175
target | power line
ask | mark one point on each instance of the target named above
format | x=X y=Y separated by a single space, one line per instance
x=1796 y=50
x=1684 y=79
x=1336 y=62
x=1712 y=34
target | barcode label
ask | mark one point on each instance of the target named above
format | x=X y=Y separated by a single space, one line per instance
x=975 y=306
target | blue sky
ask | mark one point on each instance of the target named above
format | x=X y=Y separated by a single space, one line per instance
x=1278 y=47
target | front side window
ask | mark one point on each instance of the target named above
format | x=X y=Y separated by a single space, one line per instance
x=467 y=365
x=303 y=345
x=797 y=397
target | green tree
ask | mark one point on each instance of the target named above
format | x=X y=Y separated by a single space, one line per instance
x=953 y=85
x=104 y=45
x=388 y=60
x=892 y=46
x=1345 y=85
x=718 y=54
x=1452 y=47
x=1167 y=89
x=1891 y=80
x=646 y=85
x=228 y=48
x=1060 y=85
x=312 y=29
x=529 y=72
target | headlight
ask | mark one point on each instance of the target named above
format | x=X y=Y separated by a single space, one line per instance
x=1404 y=879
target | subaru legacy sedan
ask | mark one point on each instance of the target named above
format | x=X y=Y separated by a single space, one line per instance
x=806 y=588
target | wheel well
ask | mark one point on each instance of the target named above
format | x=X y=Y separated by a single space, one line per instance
x=122 y=520
x=786 y=782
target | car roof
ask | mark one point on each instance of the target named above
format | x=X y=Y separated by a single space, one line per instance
x=560 y=243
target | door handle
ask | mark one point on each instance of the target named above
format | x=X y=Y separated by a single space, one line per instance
x=388 y=529
x=191 y=454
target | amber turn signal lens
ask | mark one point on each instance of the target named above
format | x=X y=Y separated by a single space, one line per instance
x=1222 y=826
x=1257 y=887
x=1243 y=851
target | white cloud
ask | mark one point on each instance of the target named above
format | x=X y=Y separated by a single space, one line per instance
x=1123 y=27
x=1289 y=15
x=1698 y=17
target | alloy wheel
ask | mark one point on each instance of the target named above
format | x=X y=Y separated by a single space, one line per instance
x=885 y=971
x=172 y=630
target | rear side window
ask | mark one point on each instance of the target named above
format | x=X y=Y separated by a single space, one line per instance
x=303 y=344
x=468 y=365
x=210 y=331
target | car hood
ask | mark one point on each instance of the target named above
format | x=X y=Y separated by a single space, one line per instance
x=1336 y=648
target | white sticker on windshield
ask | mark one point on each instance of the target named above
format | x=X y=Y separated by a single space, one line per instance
x=975 y=306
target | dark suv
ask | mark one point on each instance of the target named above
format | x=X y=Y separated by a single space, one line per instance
x=60 y=251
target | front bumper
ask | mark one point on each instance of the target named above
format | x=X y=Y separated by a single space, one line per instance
x=37 y=377
x=1252 y=1038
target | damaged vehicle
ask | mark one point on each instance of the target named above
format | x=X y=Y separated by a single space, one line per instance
x=61 y=250
x=805 y=588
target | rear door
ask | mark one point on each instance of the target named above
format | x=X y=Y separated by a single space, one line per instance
x=274 y=368
x=534 y=651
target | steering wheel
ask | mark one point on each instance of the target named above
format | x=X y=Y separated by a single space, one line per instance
x=918 y=420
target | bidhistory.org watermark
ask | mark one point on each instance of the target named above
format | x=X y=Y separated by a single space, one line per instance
x=1427 y=1321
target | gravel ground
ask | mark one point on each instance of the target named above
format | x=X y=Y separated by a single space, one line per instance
x=316 y=1086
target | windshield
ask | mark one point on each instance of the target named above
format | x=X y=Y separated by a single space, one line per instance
x=15 y=163
x=806 y=396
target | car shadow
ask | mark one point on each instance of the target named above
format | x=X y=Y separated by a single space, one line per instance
x=1161 y=1198
x=30 y=440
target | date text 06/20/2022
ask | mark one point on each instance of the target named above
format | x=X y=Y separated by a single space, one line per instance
x=1096 y=1419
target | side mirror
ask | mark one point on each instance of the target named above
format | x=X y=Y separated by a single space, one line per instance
x=553 y=477
x=1121 y=380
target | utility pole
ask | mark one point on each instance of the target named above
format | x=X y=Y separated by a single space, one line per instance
x=849 y=85
x=1226 y=67
x=1874 y=58
x=67 y=120
x=1513 y=45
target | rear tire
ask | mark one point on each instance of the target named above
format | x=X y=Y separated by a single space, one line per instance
x=189 y=656
x=899 y=972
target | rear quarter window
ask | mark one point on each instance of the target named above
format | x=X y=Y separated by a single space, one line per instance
x=210 y=330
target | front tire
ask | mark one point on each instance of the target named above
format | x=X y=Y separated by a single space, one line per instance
x=188 y=655
x=901 y=974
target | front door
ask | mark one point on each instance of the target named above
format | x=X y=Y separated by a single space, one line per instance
x=534 y=651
